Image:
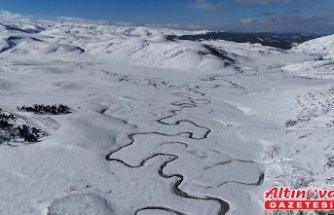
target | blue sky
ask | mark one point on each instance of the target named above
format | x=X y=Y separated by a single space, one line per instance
x=235 y=15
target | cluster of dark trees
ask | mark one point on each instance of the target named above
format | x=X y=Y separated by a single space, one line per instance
x=9 y=131
x=4 y=119
x=30 y=135
x=46 y=109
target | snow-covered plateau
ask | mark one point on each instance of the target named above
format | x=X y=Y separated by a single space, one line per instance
x=118 y=120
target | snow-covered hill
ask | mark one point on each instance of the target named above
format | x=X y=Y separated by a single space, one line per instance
x=323 y=46
x=141 y=45
x=104 y=119
x=323 y=66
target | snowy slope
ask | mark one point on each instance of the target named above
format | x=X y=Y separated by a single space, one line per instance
x=323 y=67
x=156 y=125
x=323 y=46
x=143 y=46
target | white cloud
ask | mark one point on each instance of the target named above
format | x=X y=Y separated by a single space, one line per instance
x=262 y=1
x=180 y=26
x=8 y=17
x=66 y=19
x=247 y=21
x=289 y=23
x=207 y=5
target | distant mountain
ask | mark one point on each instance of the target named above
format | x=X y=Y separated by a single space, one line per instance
x=154 y=47
x=282 y=41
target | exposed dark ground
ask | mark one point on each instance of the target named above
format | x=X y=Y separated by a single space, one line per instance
x=282 y=41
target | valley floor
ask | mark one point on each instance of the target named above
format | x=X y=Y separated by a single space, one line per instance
x=144 y=139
